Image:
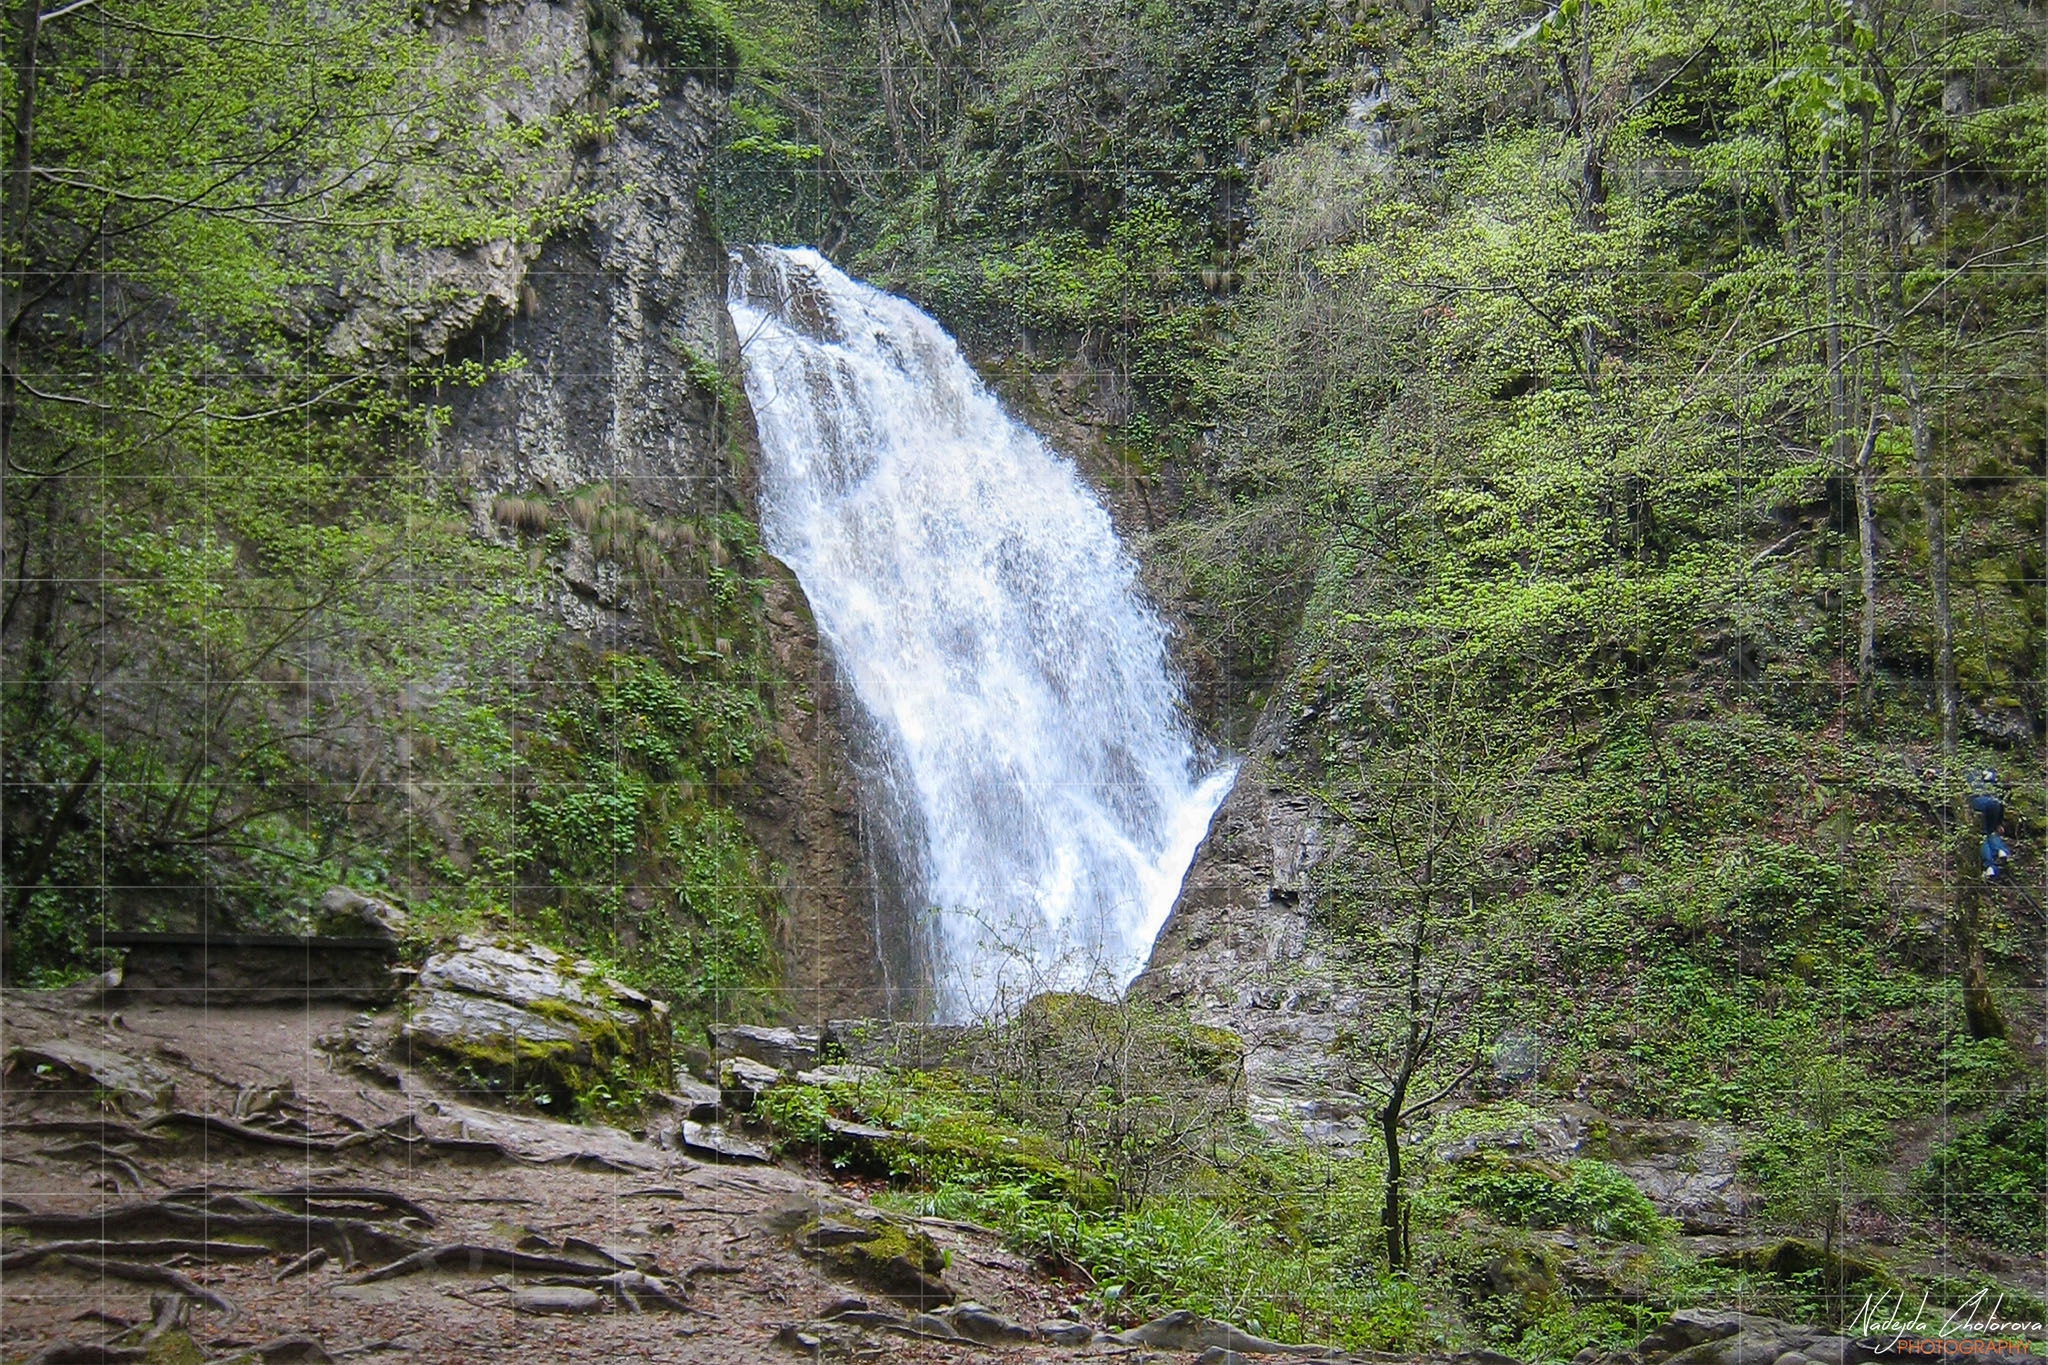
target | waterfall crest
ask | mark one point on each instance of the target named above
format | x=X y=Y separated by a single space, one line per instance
x=1027 y=759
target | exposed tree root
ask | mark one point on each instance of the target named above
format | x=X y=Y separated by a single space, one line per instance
x=229 y=1215
x=475 y=1257
x=315 y=1199
x=217 y=1126
x=153 y=1274
x=206 y=1250
x=301 y=1265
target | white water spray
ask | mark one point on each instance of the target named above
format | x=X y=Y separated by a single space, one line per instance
x=1029 y=753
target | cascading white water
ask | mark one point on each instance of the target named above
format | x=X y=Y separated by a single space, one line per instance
x=1029 y=753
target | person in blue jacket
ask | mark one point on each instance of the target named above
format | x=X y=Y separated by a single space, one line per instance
x=1995 y=854
x=1986 y=802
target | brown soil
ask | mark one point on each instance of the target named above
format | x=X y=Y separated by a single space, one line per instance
x=485 y=1175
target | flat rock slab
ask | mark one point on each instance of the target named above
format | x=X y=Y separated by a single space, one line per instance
x=785 y=1049
x=719 y=1144
x=542 y=1299
x=130 y=1079
x=454 y=1022
x=522 y=1014
x=524 y=976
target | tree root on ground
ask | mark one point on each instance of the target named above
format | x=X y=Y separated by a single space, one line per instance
x=313 y=1199
x=476 y=1257
x=153 y=1274
x=633 y=1288
x=230 y=1215
x=205 y=1250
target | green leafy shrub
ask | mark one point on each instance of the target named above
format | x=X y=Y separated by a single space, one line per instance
x=1989 y=1179
x=695 y=36
x=1584 y=1195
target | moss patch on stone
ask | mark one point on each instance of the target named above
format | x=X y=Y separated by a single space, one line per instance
x=881 y=1253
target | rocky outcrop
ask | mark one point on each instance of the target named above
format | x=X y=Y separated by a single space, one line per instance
x=840 y=955
x=781 y=1049
x=345 y=912
x=1241 y=952
x=888 y=1255
x=518 y=1018
x=418 y=304
x=625 y=357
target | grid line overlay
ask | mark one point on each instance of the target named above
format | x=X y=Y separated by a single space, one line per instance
x=365 y=740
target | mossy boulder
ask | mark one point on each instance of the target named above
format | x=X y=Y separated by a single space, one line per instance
x=524 y=1019
x=1795 y=1258
x=884 y=1254
x=1514 y=1280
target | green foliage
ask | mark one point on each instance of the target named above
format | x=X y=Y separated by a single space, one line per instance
x=1508 y=457
x=1585 y=1195
x=954 y=1131
x=219 y=433
x=1988 y=1179
x=1188 y=1253
x=695 y=35
x=621 y=1094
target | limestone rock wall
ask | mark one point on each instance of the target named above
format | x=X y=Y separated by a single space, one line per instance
x=621 y=325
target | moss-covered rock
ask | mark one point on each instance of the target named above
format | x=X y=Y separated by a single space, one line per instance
x=1513 y=1280
x=1795 y=1258
x=526 y=1019
x=884 y=1254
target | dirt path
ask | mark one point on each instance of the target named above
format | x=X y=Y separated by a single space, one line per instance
x=266 y=1100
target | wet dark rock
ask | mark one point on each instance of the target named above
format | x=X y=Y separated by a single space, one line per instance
x=696 y=1099
x=977 y=1322
x=784 y=1049
x=1060 y=1332
x=741 y=1080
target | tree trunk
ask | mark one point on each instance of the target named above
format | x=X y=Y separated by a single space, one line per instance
x=1866 y=553
x=14 y=221
x=1934 y=510
x=890 y=113
x=1980 y=1008
x=1393 y=1223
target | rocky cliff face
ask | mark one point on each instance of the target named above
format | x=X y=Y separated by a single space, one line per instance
x=625 y=345
x=1242 y=950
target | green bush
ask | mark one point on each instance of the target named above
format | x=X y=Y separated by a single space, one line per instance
x=1989 y=1179
x=1585 y=1196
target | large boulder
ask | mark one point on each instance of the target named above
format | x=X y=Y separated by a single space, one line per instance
x=785 y=1049
x=878 y=1252
x=517 y=1018
x=348 y=913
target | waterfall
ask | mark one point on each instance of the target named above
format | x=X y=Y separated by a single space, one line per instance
x=1025 y=755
